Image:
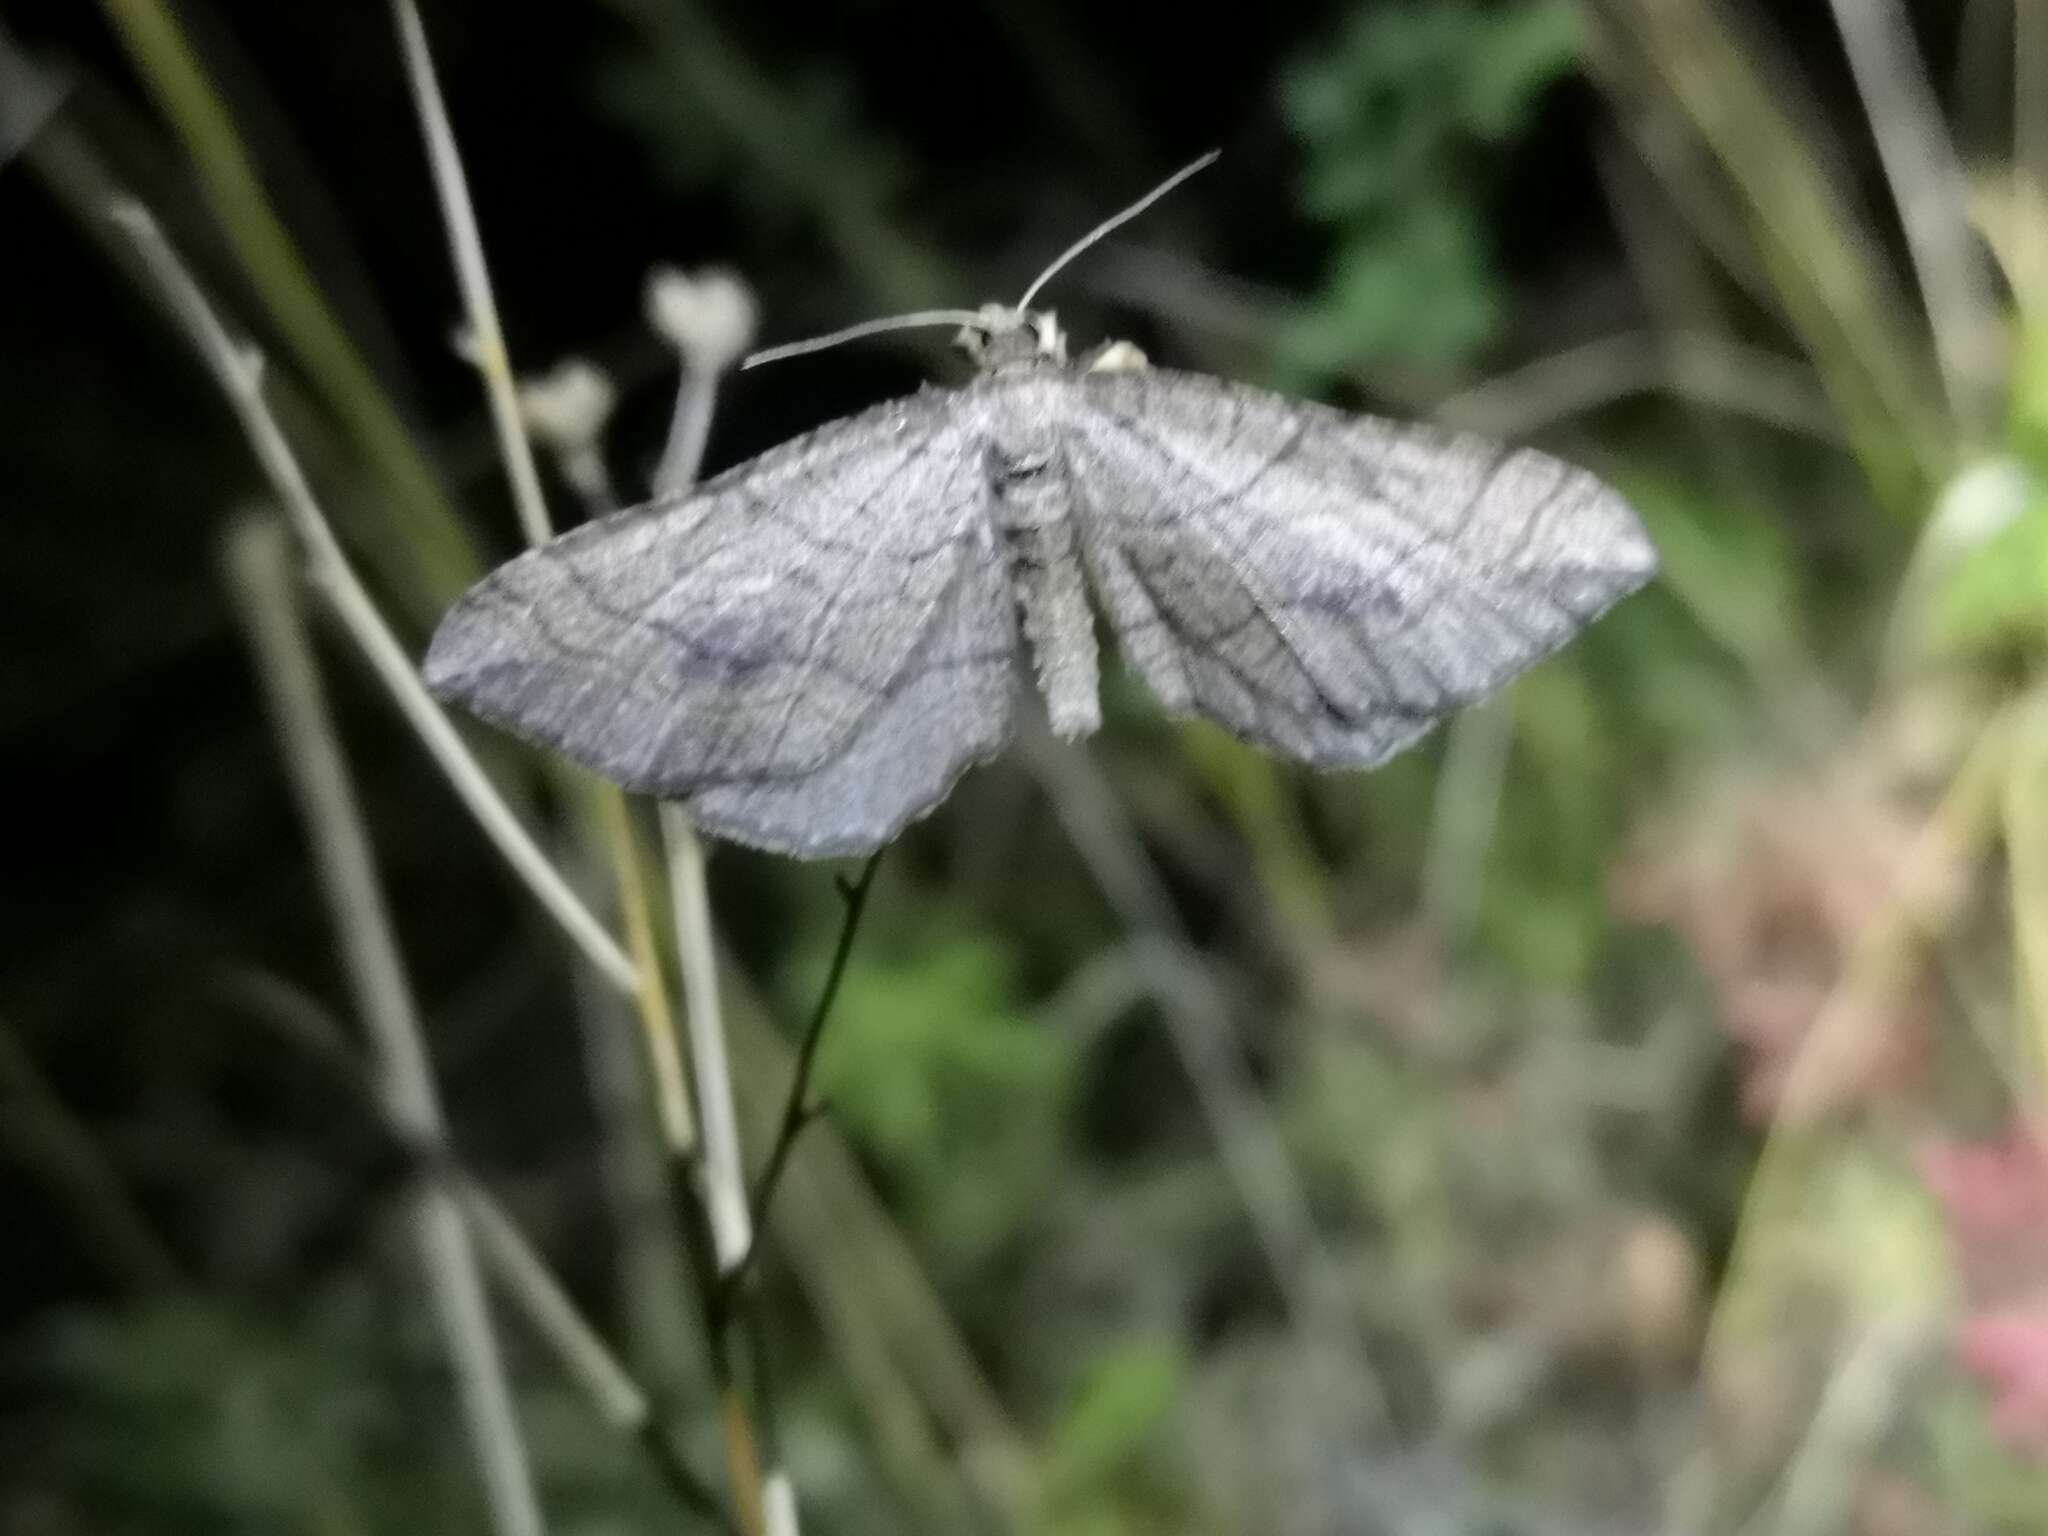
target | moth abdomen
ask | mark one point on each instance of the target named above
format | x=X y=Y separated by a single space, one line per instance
x=1032 y=511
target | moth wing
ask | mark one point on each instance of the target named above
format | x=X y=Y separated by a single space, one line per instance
x=807 y=651
x=1328 y=585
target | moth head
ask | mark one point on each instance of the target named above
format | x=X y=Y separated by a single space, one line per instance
x=1001 y=337
x=997 y=335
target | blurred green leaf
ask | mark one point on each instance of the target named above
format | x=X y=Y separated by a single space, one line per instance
x=1124 y=1398
x=1392 y=121
x=1999 y=592
x=931 y=1062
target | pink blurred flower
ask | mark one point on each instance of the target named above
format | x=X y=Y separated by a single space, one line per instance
x=1995 y=1197
x=1772 y=879
x=2008 y=1351
x=1991 y=1187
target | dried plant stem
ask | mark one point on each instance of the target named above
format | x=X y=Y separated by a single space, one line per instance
x=724 y=1178
x=721 y=1173
x=264 y=583
x=494 y=362
x=664 y=1055
x=239 y=369
x=1893 y=944
x=465 y=245
x=719 y=1141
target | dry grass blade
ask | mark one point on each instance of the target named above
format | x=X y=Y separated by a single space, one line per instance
x=1820 y=262
x=1927 y=184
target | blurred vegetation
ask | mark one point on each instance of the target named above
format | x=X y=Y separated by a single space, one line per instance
x=1618 y=1115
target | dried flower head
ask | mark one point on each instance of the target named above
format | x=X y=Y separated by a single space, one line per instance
x=707 y=316
x=567 y=408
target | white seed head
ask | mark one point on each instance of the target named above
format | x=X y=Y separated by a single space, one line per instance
x=708 y=316
x=568 y=406
x=1983 y=499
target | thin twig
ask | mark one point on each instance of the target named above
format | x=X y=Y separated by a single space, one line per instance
x=797 y=1109
x=932 y=1411
x=465 y=244
x=239 y=369
x=264 y=584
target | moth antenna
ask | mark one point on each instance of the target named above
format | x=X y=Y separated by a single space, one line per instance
x=1113 y=221
x=907 y=322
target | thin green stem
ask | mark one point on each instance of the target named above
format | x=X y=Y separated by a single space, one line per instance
x=797 y=1109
